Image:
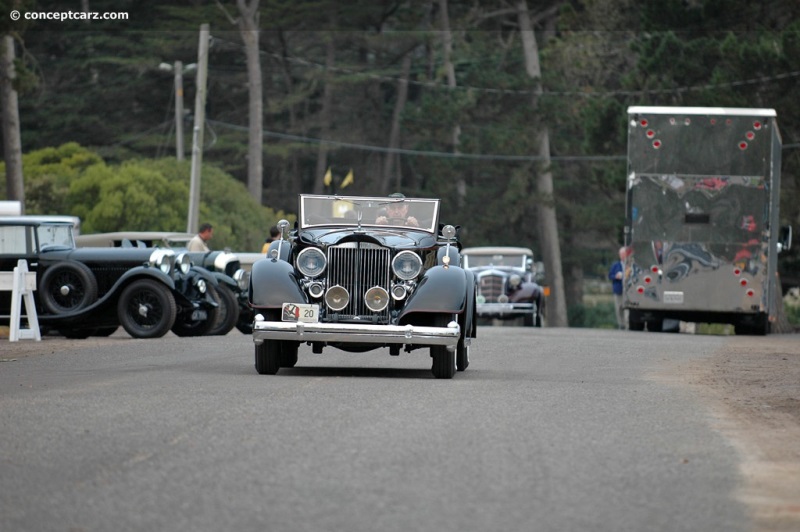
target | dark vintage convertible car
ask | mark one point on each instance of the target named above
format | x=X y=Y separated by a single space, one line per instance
x=357 y=276
x=92 y=291
x=230 y=290
x=507 y=287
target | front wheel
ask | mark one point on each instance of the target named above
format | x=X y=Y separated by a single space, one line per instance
x=444 y=360
x=228 y=311
x=268 y=357
x=146 y=309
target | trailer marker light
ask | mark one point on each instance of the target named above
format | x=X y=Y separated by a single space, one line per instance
x=650 y=133
x=672 y=121
x=687 y=121
x=647 y=280
x=737 y=271
x=743 y=282
x=656 y=144
x=640 y=289
x=713 y=121
x=654 y=269
x=643 y=122
x=750 y=292
x=750 y=135
x=743 y=145
x=756 y=125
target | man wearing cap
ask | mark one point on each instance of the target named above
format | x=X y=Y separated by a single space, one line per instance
x=397 y=213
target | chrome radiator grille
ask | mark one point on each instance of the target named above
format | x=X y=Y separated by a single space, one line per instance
x=359 y=267
x=491 y=287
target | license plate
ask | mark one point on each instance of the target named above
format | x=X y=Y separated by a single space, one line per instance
x=198 y=315
x=303 y=312
x=675 y=298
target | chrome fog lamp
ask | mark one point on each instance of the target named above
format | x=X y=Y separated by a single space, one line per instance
x=502 y=298
x=399 y=292
x=183 y=263
x=376 y=298
x=163 y=259
x=316 y=289
x=514 y=280
x=242 y=278
x=311 y=262
x=406 y=265
x=337 y=297
x=201 y=286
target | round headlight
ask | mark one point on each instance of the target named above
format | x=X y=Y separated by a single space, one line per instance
x=163 y=259
x=406 y=265
x=311 y=262
x=183 y=262
x=514 y=280
x=242 y=278
x=376 y=298
x=337 y=297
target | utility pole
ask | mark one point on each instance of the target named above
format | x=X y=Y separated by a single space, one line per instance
x=197 y=134
x=179 y=110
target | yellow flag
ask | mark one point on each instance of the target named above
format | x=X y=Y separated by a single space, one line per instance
x=328 y=177
x=348 y=180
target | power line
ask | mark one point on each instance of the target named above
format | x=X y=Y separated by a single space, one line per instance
x=423 y=153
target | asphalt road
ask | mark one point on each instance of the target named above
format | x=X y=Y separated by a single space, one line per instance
x=548 y=430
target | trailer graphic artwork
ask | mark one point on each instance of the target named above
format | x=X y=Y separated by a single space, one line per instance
x=702 y=216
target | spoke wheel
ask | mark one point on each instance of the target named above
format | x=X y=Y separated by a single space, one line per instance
x=146 y=309
x=67 y=287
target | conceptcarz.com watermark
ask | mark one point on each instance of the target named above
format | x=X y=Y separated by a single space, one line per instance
x=68 y=15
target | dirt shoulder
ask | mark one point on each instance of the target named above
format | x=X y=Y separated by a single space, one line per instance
x=753 y=390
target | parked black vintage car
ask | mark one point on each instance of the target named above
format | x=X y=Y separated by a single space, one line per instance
x=92 y=291
x=507 y=288
x=230 y=290
x=357 y=278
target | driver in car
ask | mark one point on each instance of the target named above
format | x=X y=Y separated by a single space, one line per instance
x=397 y=213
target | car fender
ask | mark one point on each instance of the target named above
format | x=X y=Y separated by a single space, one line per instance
x=470 y=321
x=226 y=280
x=450 y=251
x=273 y=283
x=526 y=292
x=441 y=289
x=284 y=249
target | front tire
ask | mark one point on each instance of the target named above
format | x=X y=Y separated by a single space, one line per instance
x=227 y=313
x=444 y=360
x=268 y=357
x=146 y=309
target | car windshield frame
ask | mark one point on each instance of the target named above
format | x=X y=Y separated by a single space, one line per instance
x=363 y=211
x=496 y=260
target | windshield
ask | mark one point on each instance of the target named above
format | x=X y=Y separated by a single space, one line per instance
x=57 y=235
x=512 y=261
x=408 y=213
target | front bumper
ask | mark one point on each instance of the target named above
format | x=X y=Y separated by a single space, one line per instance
x=356 y=333
x=504 y=309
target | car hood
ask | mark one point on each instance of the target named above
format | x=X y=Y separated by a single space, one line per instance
x=114 y=255
x=390 y=237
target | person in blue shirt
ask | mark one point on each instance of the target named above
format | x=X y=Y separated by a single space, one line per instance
x=616 y=274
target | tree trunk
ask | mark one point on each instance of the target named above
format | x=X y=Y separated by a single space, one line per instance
x=248 y=27
x=325 y=117
x=548 y=224
x=447 y=37
x=391 y=164
x=12 y=144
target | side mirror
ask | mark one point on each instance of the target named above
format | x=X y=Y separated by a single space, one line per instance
x=785 y=238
